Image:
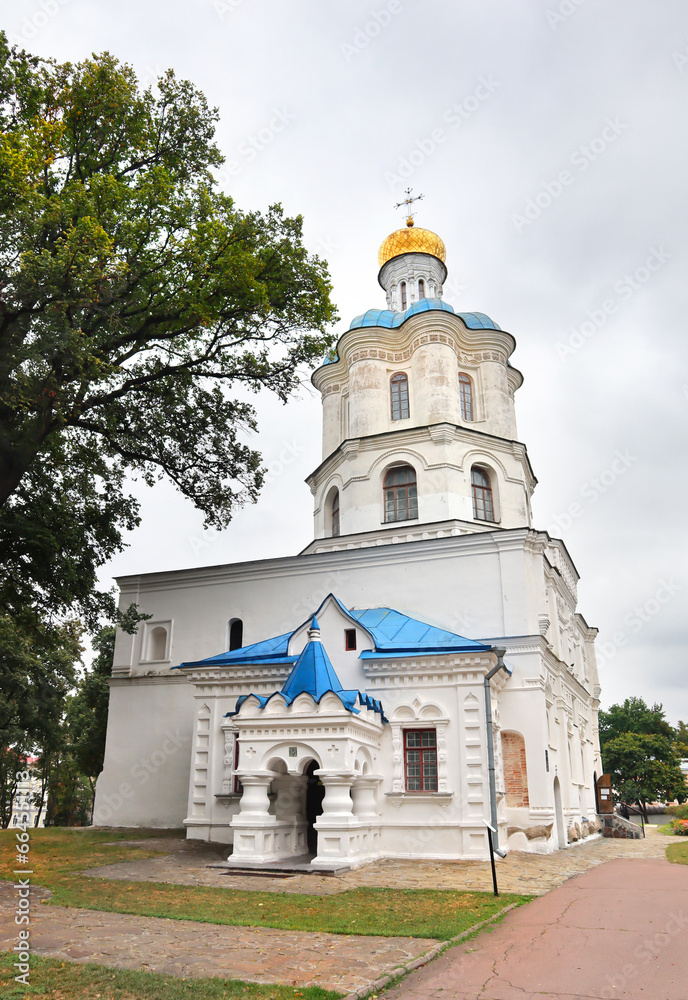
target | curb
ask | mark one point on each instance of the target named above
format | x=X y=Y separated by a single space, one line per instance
x=403 y=970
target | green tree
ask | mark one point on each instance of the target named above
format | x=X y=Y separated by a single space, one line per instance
x=138 y=308
x=634 y=716
x=87 y=710
x=644 y=768
x=138 y=305
x=12 y=761
x=682 y=738
x=38 y=668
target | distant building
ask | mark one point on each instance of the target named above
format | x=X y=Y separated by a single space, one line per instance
x=329 y=704
x=24 y=809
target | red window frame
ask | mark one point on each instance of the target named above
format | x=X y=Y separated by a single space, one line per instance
x=481 y=487
x=466 y=396
x=420 y=760
x=349 y=638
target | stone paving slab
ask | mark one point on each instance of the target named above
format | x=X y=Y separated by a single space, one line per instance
x=617 y=931
x=530 y=874
x=343 y=963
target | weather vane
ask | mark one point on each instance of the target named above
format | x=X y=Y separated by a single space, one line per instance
x=408 y=201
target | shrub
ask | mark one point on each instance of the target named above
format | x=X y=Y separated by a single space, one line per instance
x=680 y=827
x=680 y=812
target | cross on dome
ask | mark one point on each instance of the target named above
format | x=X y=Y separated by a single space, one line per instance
x=408 y=201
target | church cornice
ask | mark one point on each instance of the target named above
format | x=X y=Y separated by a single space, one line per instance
x=394 y=346
x=445 y=432
x=505 y=539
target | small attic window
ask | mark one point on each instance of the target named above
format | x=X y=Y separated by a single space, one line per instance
x=349 y=638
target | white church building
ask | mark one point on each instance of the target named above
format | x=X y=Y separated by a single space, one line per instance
x=419 y=670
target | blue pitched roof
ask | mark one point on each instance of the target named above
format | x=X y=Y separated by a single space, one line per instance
x=274 y=650
x=393 y=632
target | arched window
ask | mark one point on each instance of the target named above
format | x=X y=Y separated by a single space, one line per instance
x=335 y=514
x=421 y=288
x=235 y=633
x=466 y=396
x=400 y=494
x=402 y=289
x=158 y=643
x=399 y=396
x=483 y=507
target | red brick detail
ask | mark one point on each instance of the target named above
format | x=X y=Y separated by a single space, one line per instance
x=515 y=770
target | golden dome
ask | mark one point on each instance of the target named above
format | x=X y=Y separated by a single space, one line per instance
x=411 y=240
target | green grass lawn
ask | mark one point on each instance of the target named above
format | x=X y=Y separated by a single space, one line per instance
x=678 y=853
x=58 y=855
x=55 y=980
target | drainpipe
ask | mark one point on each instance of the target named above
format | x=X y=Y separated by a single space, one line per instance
x=490 y=742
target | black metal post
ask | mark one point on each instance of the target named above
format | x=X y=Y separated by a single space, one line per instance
x=492 y=861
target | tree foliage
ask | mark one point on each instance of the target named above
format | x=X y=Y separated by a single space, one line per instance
x=644 y=768
x=87 y=711
x=139 y=307
x=137 y=304
x=634 y=716
x=642 y=750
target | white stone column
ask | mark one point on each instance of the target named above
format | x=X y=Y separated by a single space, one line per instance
x=337 y=804
x=254 y=826
x=255 y=801
x=364 y=798
x=336 y=839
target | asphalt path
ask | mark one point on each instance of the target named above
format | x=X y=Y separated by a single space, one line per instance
x=619 y=930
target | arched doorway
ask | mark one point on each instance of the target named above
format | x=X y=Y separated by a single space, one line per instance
x=315 y=793
x=559 y=815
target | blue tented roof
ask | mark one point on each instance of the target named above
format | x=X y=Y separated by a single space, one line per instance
x=313 y=673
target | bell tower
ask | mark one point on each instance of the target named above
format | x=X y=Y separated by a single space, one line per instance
x=419 y=428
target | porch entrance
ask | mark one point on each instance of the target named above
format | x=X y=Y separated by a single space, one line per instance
x=315 y=793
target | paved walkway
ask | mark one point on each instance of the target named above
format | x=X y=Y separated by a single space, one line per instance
x=532 y=874
x=614 y=931
x=187 y=948
x=593 y=925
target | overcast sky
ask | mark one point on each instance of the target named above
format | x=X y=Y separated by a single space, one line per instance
x=549 y=140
